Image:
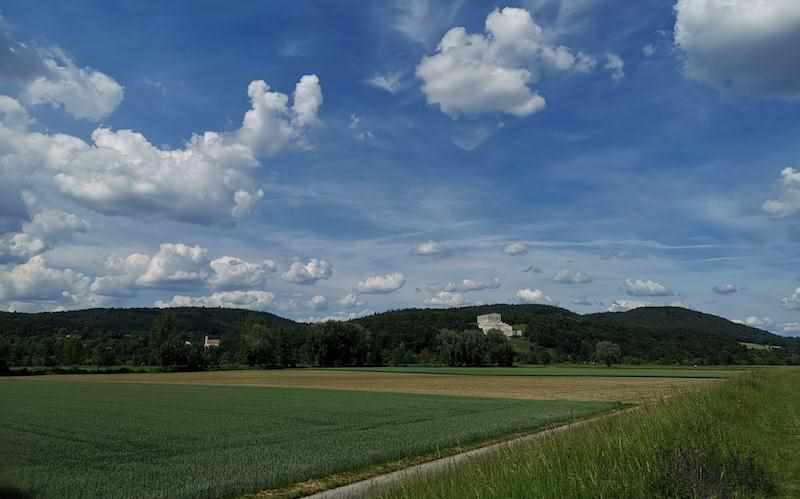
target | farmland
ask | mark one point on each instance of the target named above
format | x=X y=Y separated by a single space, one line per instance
x=68 y=439
x=586 y=388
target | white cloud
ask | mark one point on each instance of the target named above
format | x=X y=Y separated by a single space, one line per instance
x=318 y=302
x=339 y=316
x=45 y=228
x=567 y=276
x=40 y=75
x=625 y=305
x=83 y=92
x=744 y=46
x=791 y=328
x=533 y=296
x=446 y=299
x=467 y=285
x=390 y=82
x=725 y=289
x=55 y=225
x=234 y=273
x=381 y=284
x=515 y=249
x=350 y=300
x=175 y=265
x=615 y=65
x=792 y=302
x=583 y=301
x=758 y=322
x=121 y=275
x=788 y=201
x=20 y=247
x=640 y=287
x=207 y=181
x=429 y=248
x=12 y=114
x=308 y=273
x=493 y=72
x=36 y=281
x=649 y=50
x=253 y=300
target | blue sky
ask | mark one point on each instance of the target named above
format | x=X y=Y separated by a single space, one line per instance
x=333 y=159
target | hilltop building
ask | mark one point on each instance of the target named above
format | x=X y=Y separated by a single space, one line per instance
x=491 y=322
x=210 y=342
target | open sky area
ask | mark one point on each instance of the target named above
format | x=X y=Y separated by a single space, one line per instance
x=334 y=159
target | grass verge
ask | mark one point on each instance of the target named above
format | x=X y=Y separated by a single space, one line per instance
x=737 y=439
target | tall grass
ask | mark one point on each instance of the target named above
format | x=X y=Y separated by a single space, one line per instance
x=737 y=439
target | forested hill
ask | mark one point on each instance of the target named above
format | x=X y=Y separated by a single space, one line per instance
x=652 y=334
x=134 y=321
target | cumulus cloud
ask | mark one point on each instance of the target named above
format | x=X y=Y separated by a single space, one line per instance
x=206 y=181
x=615 y=65
x=527 y=295
x=534 y=269
x=567 y=276
x=467 y=285
x=175 y=265
x=792 y=302
x=42 y=232
x=49 y=76
x=494 y=71
x=640 y=287
x=381 y=284
x=308 y=273
x=390 y=82
x=744 y=46
x=725 y=289
x=234 y=273
x=422 y=20
x=350 y=300
x=515 y=249
x=429 y=248
x=788 y=201
x=583 y=301
x=318 y=302
x=625 y=305
x=36 y=281
x=82 y=92
x=446 y=299
x=252 y=300
x=757 y=322
x=121 y=275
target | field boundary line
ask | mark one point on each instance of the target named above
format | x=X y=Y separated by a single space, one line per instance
x=362 y=488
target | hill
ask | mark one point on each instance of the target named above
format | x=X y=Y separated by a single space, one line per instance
x=134 y=321
x=667 y=335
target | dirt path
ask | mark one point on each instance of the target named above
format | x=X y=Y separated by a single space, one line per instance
x=370 y=486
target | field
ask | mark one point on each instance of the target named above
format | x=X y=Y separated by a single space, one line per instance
x=568 y=371
x=632 y=389
x=87 y=440
x=738 y=439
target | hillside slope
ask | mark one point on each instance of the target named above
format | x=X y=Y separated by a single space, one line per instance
x=133 y=321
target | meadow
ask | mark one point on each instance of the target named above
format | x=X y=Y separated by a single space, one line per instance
x=737 y=439
x=66 y=439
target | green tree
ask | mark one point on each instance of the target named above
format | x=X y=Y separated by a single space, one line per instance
x=608 y=352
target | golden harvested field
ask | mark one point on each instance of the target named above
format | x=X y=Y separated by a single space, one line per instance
x=629 y=390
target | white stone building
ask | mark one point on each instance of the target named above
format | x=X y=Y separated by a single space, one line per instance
x=491 y=322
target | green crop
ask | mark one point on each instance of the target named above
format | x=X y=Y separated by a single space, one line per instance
x=87 y=440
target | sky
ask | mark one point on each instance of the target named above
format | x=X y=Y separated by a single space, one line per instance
x=335 y=159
